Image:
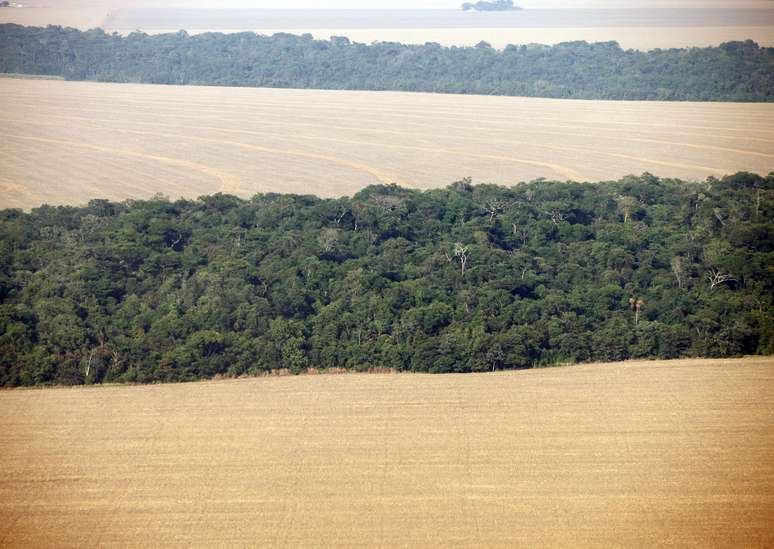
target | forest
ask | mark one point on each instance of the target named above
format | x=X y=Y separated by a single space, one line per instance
x=462 y=279
x=734 y=71
x=496 y=5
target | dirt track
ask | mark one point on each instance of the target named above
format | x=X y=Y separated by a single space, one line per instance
x=632 y=455
x=68 y=142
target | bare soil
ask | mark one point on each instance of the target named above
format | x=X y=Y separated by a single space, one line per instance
x=68 y=142
x=637 y=454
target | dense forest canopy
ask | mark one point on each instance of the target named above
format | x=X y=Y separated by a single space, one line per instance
x=735 y=71
x=467 y=278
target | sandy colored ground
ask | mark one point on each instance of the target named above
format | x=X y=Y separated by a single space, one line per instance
x=651 y=454
x=68 y=142
x=82 y=14
x=87 y=14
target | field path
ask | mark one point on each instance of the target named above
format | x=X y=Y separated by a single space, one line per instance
x=69 y=142
x=636 y=454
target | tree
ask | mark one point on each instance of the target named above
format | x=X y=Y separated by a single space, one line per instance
x=716 y=278
x=329 y=240
x=461 y=254
x=626 y=205
x=494 y=207
x=636 y=305
x=715 y=255
x=678 y=270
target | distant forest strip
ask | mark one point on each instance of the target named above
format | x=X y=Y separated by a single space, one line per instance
x=735 y=71
x=467 y=278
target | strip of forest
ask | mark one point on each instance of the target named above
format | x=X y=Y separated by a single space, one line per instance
x=462 y=279
x=734 y=71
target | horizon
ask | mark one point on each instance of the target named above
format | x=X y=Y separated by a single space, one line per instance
x=445 y=4
x=404 y=4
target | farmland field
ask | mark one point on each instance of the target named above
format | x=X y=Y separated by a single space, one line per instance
x=637 y=454
x=639 y=28
x=68 y=142
x=144 y=18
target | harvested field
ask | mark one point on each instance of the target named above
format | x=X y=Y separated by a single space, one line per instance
x=639 y=27
x=638 y=454
x=68 y=142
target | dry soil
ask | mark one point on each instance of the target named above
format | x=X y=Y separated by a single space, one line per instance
x=638 y=454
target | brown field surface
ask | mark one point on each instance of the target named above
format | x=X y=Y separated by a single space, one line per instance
x=638 y=454
x=68 y=142
x=639 y=27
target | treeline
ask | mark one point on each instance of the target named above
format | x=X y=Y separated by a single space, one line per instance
x=735 y=71
x=495 y=5
x=467 y=278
